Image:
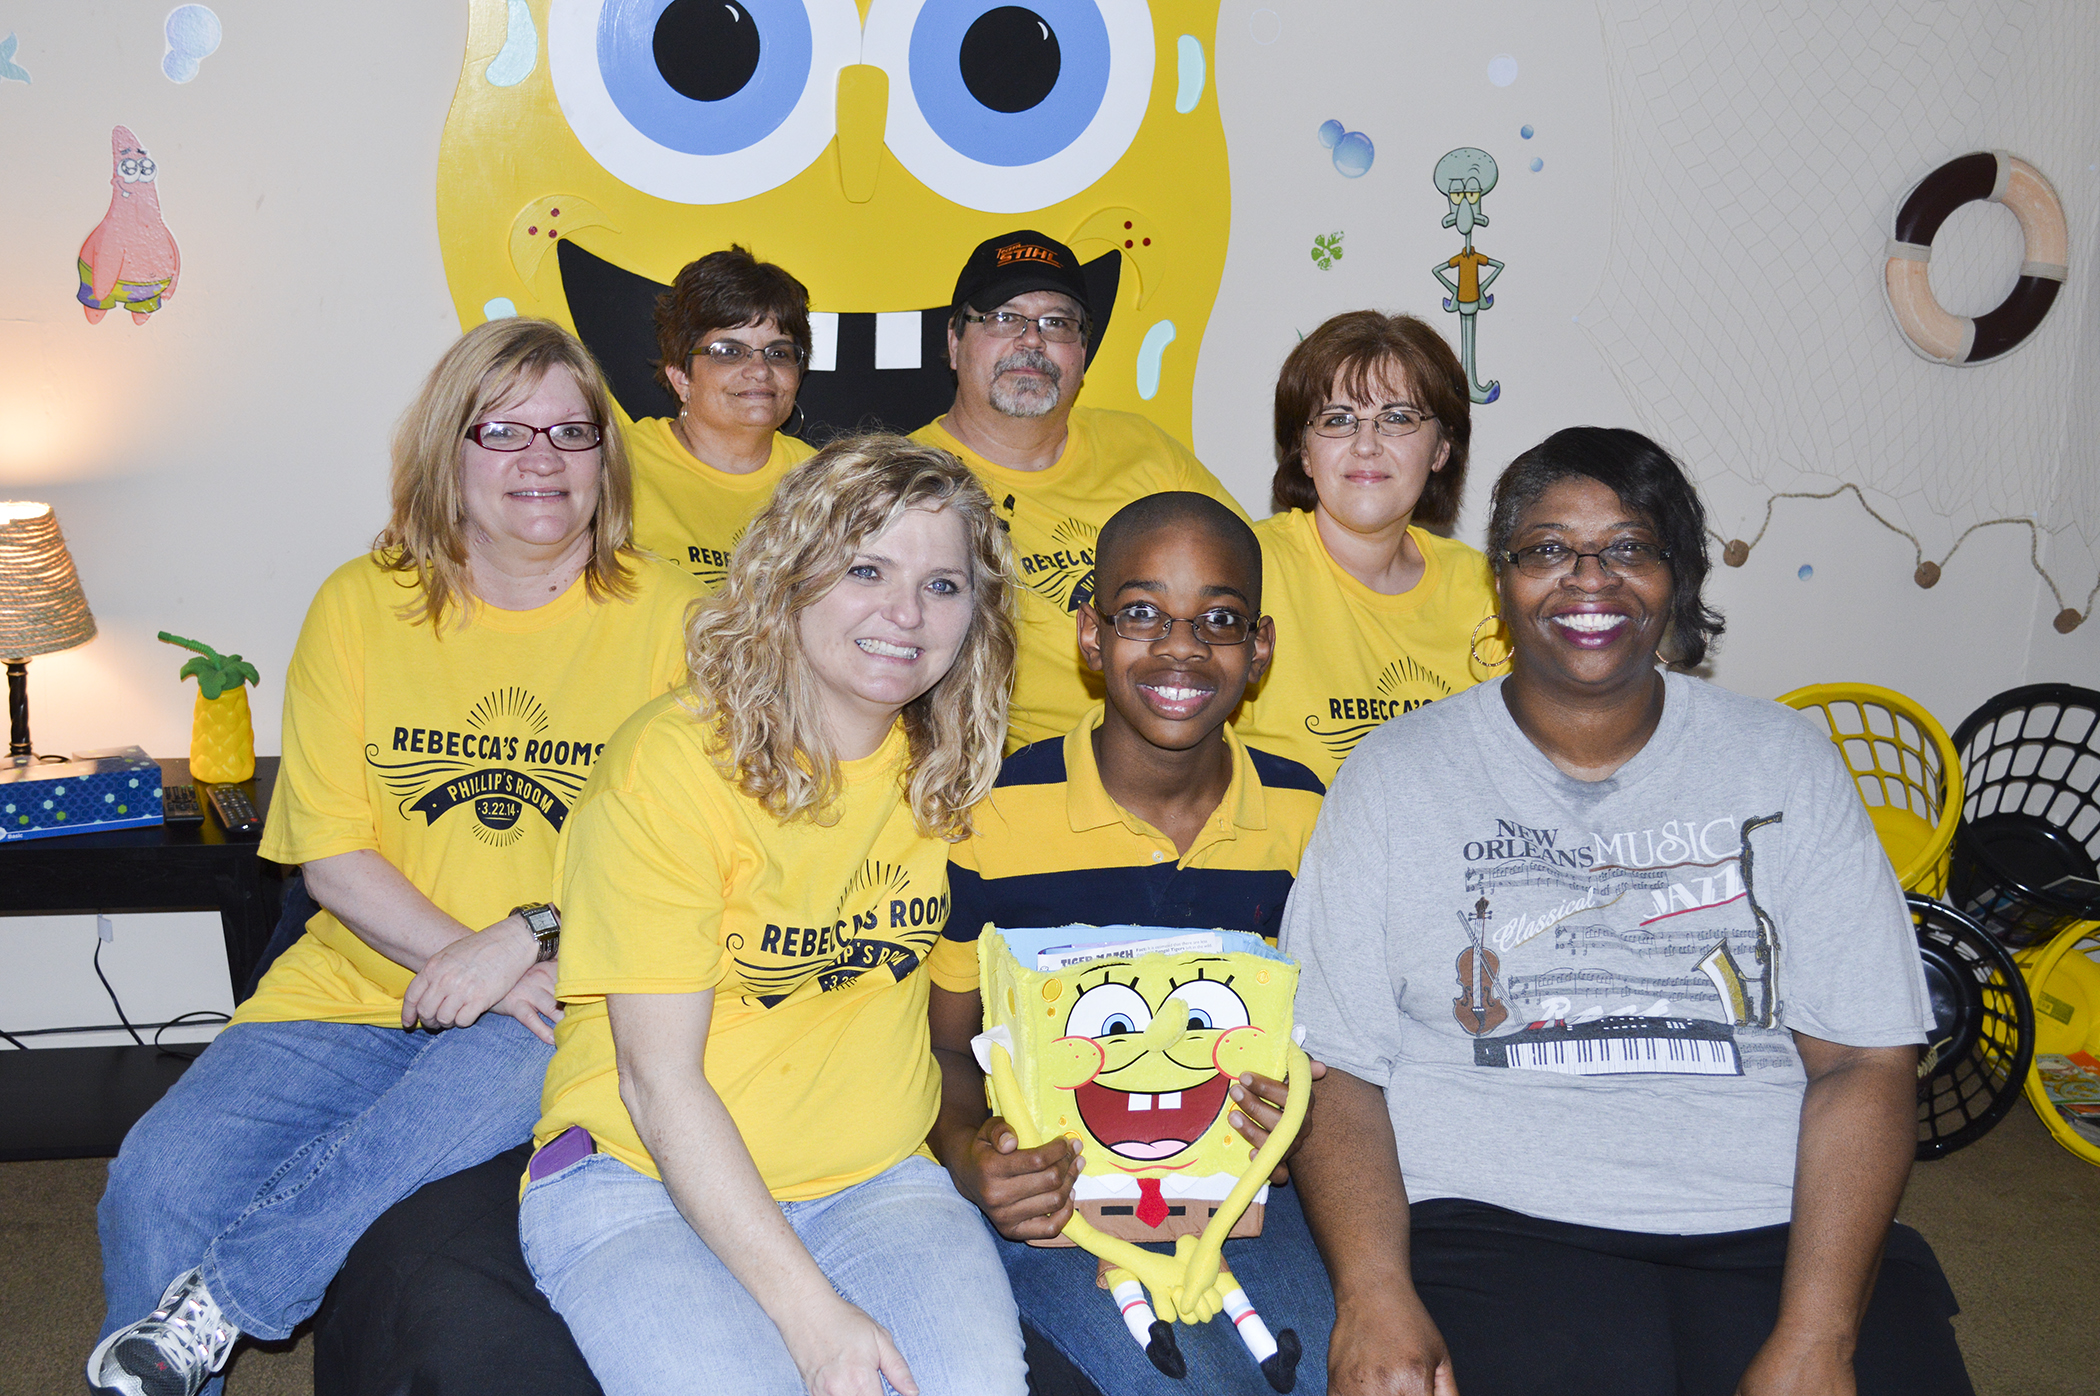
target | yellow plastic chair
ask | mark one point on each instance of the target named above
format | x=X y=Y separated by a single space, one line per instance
x=2064 y=982
x=1905 y=768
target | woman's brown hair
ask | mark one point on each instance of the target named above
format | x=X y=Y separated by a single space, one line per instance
x=726 y=290
x=1360 y=352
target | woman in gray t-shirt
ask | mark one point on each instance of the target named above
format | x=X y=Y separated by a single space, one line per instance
x=1607 y=964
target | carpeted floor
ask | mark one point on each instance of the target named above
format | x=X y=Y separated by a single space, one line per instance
x=51 y=1290
x=2015 y=1219
x=2016 y=1222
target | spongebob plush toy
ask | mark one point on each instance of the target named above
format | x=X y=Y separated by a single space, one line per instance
x=1130 y=1038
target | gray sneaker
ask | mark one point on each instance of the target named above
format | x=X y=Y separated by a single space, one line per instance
x=171 y=1352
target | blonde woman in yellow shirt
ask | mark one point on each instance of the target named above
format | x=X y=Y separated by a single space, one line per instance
x=734 y=337
x=447 y=699
x=730 y=1192
x=1375 y=613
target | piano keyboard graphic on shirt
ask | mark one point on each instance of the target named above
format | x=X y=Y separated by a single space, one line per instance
x=1617 y=1047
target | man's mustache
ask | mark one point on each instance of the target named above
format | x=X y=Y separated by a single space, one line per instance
x=1034 y=360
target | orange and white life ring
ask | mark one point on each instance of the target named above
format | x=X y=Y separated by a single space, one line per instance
x=2003 y=179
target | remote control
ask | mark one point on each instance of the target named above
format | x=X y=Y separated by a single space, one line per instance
x=235 y=812
x=178 y=805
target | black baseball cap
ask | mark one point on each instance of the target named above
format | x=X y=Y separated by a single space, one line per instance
x=1013 y=264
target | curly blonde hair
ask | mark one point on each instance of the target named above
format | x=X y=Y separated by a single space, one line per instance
x=747 y=676
x=489 y=367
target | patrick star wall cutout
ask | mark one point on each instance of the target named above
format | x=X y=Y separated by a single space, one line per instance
x=130 y=260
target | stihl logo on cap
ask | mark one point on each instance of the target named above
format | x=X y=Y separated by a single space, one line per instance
x=1027 y=252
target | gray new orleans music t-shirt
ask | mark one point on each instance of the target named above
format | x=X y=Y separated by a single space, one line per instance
x=1578 y=995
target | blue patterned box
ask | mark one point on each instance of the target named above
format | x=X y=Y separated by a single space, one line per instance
x=114 y=789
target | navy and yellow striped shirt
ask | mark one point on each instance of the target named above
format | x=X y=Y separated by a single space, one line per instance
x=1052 y=848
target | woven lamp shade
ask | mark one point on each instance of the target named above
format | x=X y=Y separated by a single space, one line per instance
x=41 y=608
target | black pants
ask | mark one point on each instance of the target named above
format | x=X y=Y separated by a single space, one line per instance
x=1531 y=1306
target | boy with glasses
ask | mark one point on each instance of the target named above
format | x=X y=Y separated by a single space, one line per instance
x=1150 y=811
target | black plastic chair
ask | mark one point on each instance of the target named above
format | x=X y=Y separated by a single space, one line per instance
x=1983 y=1030
x=2024 y=862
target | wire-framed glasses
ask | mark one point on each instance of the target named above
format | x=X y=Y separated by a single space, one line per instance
x=1011 y=324
x=1220 y=625
x=728 y=353
x=516 y=436
x=1395 y=421
x=1628 y=558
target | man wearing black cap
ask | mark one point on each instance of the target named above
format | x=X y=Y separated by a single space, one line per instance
x=1018 y=341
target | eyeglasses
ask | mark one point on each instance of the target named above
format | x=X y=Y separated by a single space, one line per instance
x=1008 y=324
x=728 y=353
x=1400 y=421
x=1627 y=559
x=516 y=436
x=1141 y=620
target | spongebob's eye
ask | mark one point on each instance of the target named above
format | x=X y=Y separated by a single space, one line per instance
x=1008 y=108
x=1212 y=1005
x=1108 y=1010
x=701 y=101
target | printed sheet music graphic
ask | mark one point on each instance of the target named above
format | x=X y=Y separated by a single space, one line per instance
x=1617 y=1047
x=1620 y=951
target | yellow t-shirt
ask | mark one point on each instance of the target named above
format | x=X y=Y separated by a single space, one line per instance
x=811 y=937
x=457 y=756
x=1053 y=516
x=1347 y=657
x=690 y=513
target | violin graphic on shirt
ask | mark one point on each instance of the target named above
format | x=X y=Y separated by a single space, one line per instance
x=1477 y=1009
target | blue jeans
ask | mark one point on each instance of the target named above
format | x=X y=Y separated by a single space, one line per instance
x=1280 y=1270
x=282 y=1143
x=654 y=1310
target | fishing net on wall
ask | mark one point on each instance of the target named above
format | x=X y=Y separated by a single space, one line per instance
x=1760 y=153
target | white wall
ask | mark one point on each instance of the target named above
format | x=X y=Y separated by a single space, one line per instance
x=1842 y=107
x=160 y=965
x=210 y=467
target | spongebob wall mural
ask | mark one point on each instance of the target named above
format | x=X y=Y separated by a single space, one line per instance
x=1129 y=1038
x=594 y=147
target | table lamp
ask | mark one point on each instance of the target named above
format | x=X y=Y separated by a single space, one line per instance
x=41 y=608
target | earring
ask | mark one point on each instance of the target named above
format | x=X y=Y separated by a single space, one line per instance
x=1473 y=648
x=797 y=429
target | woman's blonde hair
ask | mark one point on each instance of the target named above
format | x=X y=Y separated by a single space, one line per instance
x=487 y=368
x=748 y=677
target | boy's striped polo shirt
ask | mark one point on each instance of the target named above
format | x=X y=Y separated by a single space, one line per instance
x=1052 y=848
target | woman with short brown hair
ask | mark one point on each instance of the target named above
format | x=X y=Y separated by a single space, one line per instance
x=1375 y=614
x=734 y=340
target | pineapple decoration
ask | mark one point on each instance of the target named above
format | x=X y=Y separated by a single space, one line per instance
x=222 y=739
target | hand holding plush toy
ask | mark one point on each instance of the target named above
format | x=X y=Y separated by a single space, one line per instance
x=1135 y=1053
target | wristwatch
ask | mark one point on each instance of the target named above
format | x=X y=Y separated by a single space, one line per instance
x=545 y=924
